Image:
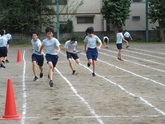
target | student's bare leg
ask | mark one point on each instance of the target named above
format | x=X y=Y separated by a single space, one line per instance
x=77 y=61
x=34 y=68
x=119 y=54
x=51 y=69
x=94 y=65
x=70 y=63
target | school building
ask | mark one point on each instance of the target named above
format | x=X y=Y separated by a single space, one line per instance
x=85 y=13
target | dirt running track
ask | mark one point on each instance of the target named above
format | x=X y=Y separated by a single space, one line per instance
x=123 y=92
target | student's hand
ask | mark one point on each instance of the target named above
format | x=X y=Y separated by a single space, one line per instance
x=99 y=48
x=56 y=51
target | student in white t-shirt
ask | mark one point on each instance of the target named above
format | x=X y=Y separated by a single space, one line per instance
x=71 y=53
x=127 y=36
x=105 y=41
x=119 y=39
x=52 y=47
x=91 y=48
x=37 y=58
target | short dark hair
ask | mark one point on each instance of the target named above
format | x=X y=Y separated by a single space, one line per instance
x=120 y=30
x=34 y=33
x=73 y=39
x=49 y=29
x=89 y=30
x=2 y=32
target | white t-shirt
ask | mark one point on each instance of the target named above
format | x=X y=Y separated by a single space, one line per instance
x=8 y=36
x=69 y=46
x=91 y=41
x=127 y=34
x=119 y=37
x=3 y=41
x=51 y=45
x=35 y=45
x=105 y=38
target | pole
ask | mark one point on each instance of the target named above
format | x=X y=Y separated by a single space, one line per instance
x=146 y=20
x=57 y=16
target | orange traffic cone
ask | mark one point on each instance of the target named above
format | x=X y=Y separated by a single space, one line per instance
x=19 y=56
x=10 y=108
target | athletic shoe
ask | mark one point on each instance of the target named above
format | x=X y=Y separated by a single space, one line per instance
x=127 y=46
x=7 y=60
x=120 y=59
x=73 y=72
x=2 y=66
x=88 y=64
x=51 y=83
x=93 y=74
x=3 y=62
x=35 y=78
x=41 y=74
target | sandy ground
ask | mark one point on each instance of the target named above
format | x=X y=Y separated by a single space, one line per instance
x=123 y=92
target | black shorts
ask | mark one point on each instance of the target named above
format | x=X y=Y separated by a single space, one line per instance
x=119 y=46
x=52 y=58
x=38 y=58
x=3 y=51
x=71 y=55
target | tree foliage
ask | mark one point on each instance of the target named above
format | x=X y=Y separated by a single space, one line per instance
x=25 y=15
x=116 y=11
x=157 y=14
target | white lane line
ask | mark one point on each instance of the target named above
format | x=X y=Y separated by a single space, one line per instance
x=145 y=54
x=137 y=75
x=141 y=59
x=149 y=51
x=100 y=116
x=123 y=89
x=81 y=98
x=135 y=63
x=24 y=107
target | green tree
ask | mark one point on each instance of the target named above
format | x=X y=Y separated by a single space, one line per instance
x=116 y=12
x=157 y=14
x=25 y=15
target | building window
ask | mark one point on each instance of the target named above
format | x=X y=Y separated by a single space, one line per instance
x=85 y=19
x=53 y=2
x=138 y=1
x=135 y=18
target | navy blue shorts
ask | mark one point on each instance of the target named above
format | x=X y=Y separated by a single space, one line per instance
x=52 y=58
x=71 y=55
x=92 y=53
x=8 y=42
x=127 y=38
x=38 y=58
x=3 y=51
x=119 y=46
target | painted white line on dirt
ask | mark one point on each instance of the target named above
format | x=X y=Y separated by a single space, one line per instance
x=123 y=89
x=137 y=75
x=141 y=59
x=80 y=97
x=24 y=107
x=135 y=63
x=149 y=51
x=145 y=54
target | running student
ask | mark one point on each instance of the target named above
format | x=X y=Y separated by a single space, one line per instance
x=119 y=40
x=70 y=48
x=37 y=57
x=91 y=49
x=52 y=47
x=3 y=48
x=127 y=37
x=105 y=41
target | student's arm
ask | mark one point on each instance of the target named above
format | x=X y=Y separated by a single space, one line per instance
x=99 y=47
x=124 y=40
x=57 y=50
x=85 y=47
x=41 y=47
x=67 y=50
